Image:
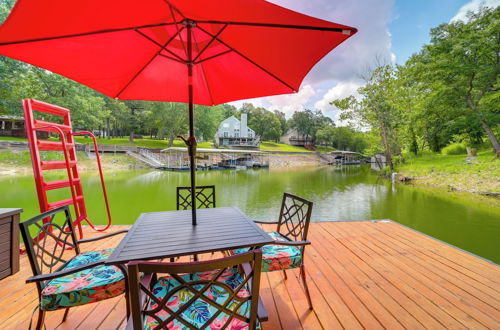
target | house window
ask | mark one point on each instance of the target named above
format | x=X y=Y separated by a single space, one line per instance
x=225 y=125
x=236 y=134
x=226 y=134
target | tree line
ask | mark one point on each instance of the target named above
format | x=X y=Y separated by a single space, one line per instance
x=446 y=93
x=93 y=111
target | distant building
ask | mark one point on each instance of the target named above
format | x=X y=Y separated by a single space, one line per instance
x=235 y=133
x=294 y=138
x=13 y=126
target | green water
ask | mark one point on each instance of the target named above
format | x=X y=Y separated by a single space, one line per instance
x=350 y=193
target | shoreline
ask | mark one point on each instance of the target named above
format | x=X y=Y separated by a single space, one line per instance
x=477 y=184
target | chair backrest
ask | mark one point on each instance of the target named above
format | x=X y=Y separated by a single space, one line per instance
x=198 y=286
x=205 y=197
x=46 y=238
x=295 y=216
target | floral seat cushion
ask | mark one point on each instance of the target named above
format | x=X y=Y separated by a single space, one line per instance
x=277 y=257
x=199 y=312
x=86 y=286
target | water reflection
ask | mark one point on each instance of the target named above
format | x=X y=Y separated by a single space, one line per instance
x=344 y=193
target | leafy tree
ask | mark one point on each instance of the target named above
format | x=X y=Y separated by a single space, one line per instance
x=283 y=122
x=325 y=134
x=264 y=122
x=171 y=120
x=375 y=109
x=303 y=122
x=228 y=110
x=207 y=120
x=462 y=65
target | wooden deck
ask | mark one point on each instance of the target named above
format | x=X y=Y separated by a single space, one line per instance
x=369 y=275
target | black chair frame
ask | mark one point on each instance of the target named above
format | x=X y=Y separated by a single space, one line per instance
x=141 y=289
x=293 y=226
x=205 y=197
x=42 y=255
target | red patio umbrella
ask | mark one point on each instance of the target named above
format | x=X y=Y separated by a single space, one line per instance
x=199 y=51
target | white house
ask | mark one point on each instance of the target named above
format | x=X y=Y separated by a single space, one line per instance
x=235 y=133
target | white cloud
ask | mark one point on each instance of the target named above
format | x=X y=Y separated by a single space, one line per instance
x=289 y=103
x=474 y=5
x=340 y=68
x=341 y=90
x=370 y=17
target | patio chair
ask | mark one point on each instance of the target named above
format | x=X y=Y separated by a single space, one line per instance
x=214 y=294
x=205 y=197
x=64 y=276
x=291 y=238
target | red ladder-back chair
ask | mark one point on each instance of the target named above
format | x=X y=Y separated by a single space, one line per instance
x=68 y=148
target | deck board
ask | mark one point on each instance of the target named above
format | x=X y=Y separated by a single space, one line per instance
x=369 y=275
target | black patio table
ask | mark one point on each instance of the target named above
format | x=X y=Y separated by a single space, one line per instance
x=158 y=235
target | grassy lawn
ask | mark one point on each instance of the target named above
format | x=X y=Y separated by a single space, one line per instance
x=454 y=172
x=23 y=158
x=430 y=162
x=162 y=144
x=272 y=146
x=144 y=143
x=324 y=150
x=8 y=138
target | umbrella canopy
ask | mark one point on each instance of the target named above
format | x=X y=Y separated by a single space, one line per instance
x=199 y=51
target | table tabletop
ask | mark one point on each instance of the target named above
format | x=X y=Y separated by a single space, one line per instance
x=157 y=235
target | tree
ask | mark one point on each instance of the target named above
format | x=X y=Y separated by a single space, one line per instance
x=170 y=120
x=207 y=120
x=326 y=134
x=375 y=109
x=228 y=110
x=264 y=122
x=462 y=66
x=282 y=118
x=303 y=122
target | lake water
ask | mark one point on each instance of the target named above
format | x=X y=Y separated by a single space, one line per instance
x=347 y=193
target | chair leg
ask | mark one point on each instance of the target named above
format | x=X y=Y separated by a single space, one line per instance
x=65 y=314
x=127 y=303
x=284 y=274
x=306 y=288
x=41 y=317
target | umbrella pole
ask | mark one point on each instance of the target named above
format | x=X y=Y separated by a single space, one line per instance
x=191 y=139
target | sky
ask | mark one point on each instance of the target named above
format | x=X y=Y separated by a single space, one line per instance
x=391 y=30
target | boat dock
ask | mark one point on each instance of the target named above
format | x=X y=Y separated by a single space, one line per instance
x=177 y=159
x=368 y=274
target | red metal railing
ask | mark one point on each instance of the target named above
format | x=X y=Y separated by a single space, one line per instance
x=68 y=148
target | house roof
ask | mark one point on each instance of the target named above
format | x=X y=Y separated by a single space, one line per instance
x=239 y=121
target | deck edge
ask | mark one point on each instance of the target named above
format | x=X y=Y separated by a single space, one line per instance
x=446 y=243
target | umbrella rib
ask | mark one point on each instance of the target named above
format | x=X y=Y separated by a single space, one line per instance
x=213 y=56
x=164 y=47
x=174 y=7
x=285 y=26
x=177 y=27
x=249 y=60
x=209 y=43
x=143 y=67
x=204 y=74
x=85 y=34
